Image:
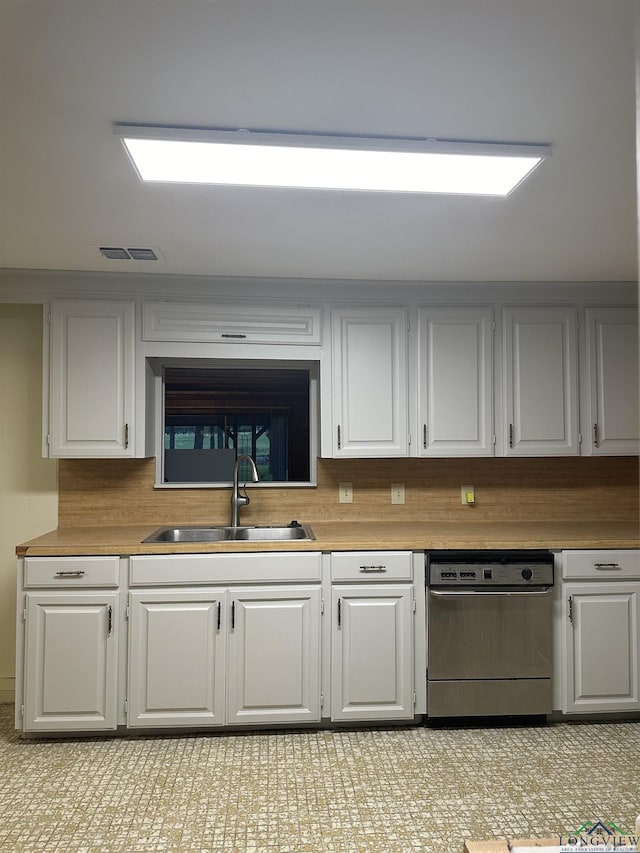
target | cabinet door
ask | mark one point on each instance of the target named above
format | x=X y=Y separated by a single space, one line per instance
x=603 y=659
x=71 y=654
x=540 y=381
x=176 y=658
x=91 y=379
x=274 y=655
x=232 y=324
x=455 y=397
x=611 y=382
x=372 y=652
x=370 y=415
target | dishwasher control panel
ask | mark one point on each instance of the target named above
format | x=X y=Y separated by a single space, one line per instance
x=490 y=568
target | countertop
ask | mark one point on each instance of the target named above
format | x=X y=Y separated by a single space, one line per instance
x=349 y=536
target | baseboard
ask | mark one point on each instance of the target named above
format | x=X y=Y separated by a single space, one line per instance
x=7 y=690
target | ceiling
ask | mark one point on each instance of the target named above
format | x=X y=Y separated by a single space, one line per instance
x=549 y=71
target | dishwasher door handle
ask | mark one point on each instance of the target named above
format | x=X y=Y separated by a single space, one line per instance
x=474 y=593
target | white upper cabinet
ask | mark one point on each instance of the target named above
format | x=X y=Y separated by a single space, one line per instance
x=610 y=390
x=239 y=324
x=91 y=393
x=540 y=391
x=455 y=382
x=370 y=413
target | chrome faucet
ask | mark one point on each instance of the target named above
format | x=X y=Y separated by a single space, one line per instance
x=238 y=500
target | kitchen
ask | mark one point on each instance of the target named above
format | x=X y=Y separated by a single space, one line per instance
x=322 y=256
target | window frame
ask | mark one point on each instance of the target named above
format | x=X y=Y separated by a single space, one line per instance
x=157 y=366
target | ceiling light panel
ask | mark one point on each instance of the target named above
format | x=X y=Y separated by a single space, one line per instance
x=370 y=164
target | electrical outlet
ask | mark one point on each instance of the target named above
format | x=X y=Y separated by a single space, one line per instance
x=468 y=495
x=397 y=493
x=345 y=493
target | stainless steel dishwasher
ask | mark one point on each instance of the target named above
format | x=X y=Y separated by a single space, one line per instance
x=489 y=633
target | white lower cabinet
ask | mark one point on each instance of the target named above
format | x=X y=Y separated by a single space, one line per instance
x=603 y=661
x=274 y=655
x=372 y=652
x=205 y=640
x=224 y=656
x=70 y=661
x=176 y=658
x=601 y=632
x=373 y=636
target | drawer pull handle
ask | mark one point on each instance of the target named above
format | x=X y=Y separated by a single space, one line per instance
x=373 y=568
x=607 y=565
x=76 y=573
x=229 y=335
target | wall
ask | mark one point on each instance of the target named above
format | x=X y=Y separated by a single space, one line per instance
x=28 y=483
x=104 y=492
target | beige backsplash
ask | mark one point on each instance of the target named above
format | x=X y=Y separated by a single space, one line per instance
x=114 y=492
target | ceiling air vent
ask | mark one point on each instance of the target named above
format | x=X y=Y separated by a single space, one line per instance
x=117 y=253
x=143 y=254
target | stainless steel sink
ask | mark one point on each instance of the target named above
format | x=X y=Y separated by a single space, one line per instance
x=255 y=533
x=278 y=534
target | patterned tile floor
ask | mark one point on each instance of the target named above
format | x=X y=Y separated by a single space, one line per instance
x=360 y=791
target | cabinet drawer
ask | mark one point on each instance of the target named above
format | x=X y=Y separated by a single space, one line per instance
x=371 y=566
x=179 y=569
x=71 y=571
x=601 y=565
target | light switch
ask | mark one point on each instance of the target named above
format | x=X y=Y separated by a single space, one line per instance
x=468 y=495
x=345 y=493
x=397 y=493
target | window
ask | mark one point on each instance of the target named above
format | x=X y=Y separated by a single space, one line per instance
x=213 y=414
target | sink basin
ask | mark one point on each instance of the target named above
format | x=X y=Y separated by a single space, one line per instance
x=277 y=534
x=255 y=533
